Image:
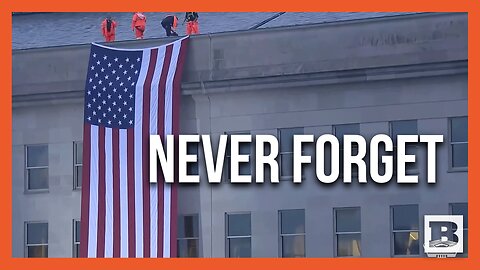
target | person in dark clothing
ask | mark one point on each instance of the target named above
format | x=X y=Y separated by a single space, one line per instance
x=170 y=23
x=192 y=22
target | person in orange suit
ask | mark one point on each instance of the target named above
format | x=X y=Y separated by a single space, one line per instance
x=192 y=22
x=139 y=22
x=108 y=29
x=169 y=23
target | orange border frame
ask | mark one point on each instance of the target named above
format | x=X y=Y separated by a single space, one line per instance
x=8 y=6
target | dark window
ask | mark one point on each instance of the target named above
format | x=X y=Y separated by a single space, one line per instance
x=239 y=235
x=348 y=231
x=36 y=244
x=77 y=164
x=243 y=149
x=405 y=229
x=339 y=132
x=292 y=233
x=459 y=142
x=76 y=238
x=286 y=150
x=37 y=167
x=404 y=127
x=462 y=209
x=188 y=236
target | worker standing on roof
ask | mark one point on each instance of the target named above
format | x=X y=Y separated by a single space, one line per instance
x=108 y=29
x=139 y=22
x=170 y=23
x=192 y=22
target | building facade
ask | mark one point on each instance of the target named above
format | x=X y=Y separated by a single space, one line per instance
x=397 y=75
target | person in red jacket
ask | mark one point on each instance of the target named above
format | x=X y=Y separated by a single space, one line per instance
x=192 y=22
x=108 y=29
x=139 y=22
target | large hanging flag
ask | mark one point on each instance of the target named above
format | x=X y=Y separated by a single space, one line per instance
x=129 y=95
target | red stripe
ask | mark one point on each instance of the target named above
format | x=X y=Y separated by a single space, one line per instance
x=116 y=194
x=101 y=193
x=161 y=132
x=176 y=95
x=85 y=191
x=131 y=193
x=145 y=152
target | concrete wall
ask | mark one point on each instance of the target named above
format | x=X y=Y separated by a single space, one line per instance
x=368 y=72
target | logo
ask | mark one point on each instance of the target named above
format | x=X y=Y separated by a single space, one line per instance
x=443 y=235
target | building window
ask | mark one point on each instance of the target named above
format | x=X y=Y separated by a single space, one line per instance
x=348 y=129
x=462 y=209
x=192 y=167
x=188 y=236
x=37 y=167
x=405 y=231
x=286 y=151
x=292 y=233
x=36 y=242
x=404 y=127
x=77 y=164
x=76 y=238
x=348 y=232
x=459 y=142
x=244 y=149
x=239 y=235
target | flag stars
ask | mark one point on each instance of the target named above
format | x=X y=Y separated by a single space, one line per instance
x=102 y=69
x=118 y=78
x=99 y=107
x=136 y=71
x=124 y=72
x=109 y=109
x=94 y=87
x=94 y=100
x=106 y=77
x=109 y=96
x=132 y=66
x=104 y=89
x=116 y=59
x=109 y=122
x=99 y=94
x=119 y=122
x=89 y=92
x=125 y=90
x=120 y=66
x=119 y=109
x=94 y=113
x=110 y=83
x=104 y=102
x=96 y=75
x=130 y=122
x=114 y=71
x=120 y=96
x=89 y=105
x=114 y=116
x=98 y=62
x=105 y=57
x=129 y=78
x=121 y=84
x=127 y=60
x=130 y=109
x=124 y=116
x=92 y=67
x=114 y=103
x=114 y=90
x=124 y=103
x=109 y=64
x=131 y=96
x=90 y=80
x=100 y=82
x=94 y=55
x=138 y=59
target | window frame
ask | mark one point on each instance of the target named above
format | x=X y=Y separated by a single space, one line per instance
x=74 y=240
x=27 y=168
x=281 y=235
x=335 y=240
x=227 y=170
x=197 y=239
x=26 y=245
x=76 y=165
x=410 y=171
x=341 y=149
x=465 y=226
x=451 y=168
x=393 y=231
x=227 y=237
x=280 y=154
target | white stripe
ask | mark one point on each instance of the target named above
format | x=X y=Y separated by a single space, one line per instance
x=153 y=130
x=123 y=193
x=108 y=194
x=93 y=206
x=138 y=154
x=168 y=130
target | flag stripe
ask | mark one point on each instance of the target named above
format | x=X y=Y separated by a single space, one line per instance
x=145 y=153
x=138 y=157
x=124 y=230
x=153 y=130
x=93 y=214
x=101 y=193
x=85 y=191
x=176 y=132
x=108 y=194
x=131 y=193
x=116 y=193
x=161 y=132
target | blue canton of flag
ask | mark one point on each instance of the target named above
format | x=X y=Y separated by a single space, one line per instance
x=111 y=80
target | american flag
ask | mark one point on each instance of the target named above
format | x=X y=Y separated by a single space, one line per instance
x=129 y=95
